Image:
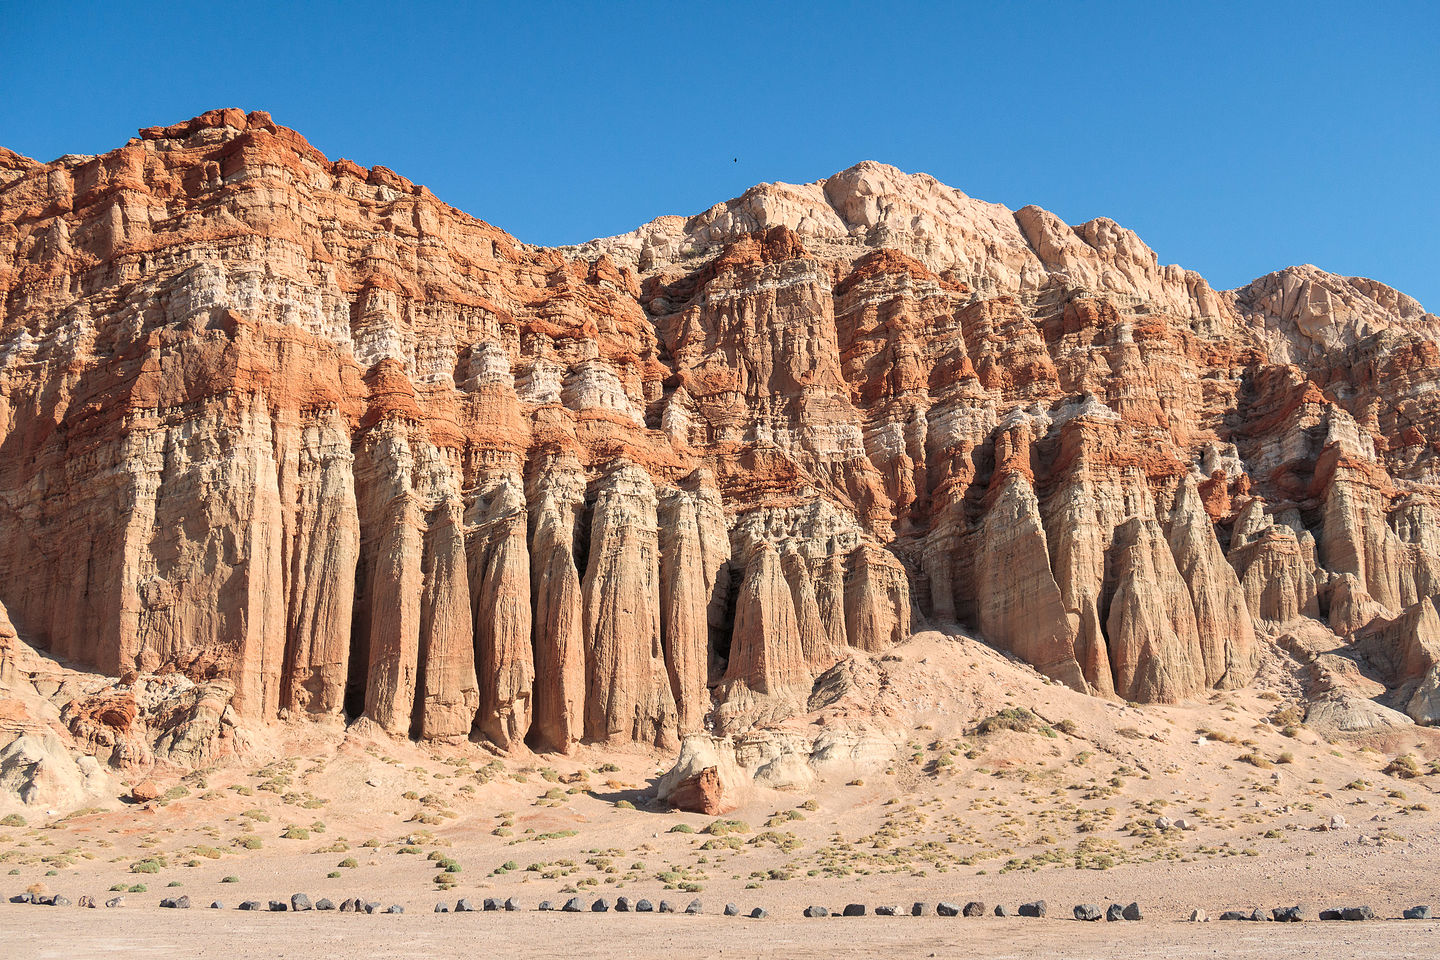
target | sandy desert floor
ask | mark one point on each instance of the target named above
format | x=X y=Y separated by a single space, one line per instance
x=1228 y=804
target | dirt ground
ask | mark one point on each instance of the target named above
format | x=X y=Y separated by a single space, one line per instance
x=1000 y=788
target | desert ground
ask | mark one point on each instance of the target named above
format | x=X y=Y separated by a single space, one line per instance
x=1004 y=788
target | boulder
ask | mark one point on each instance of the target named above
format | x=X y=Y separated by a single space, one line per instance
x=921 y=909
x=854 y=910
x=544 y=906
x=250 y=905
x=731 y=910
x=622 y=904
x=324 y=903
x=644 y=906
x=146 y=791
x=758 y=914
x=114 y=902
x=511 y=904
x=1286 y=915
x=1132 y=911
x=694 y=907
x=394 y=908
x=1417 y=913
x=1331 y=914
x=278 y=906
x=813 y=911
x=1114 y=912
x=1001 y=910
x=442 y=908
x=1035 y=908
x=600 y=906
x=667 y=907
x=974 y=909
x=1087 y=912
x=216 y=905
x=463 y=905
x=573 y=905
x=491 y=904
x=300 y=903
x=701 y=792
x=1357 y=913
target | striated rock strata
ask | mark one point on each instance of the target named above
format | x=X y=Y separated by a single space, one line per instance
x=296 y=427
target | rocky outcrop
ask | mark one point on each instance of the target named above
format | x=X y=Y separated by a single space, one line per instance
x=298 y=428
x=627 y=695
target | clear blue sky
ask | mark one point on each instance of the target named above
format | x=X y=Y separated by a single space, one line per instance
x=1236 y=139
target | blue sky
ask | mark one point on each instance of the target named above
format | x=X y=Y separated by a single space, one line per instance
x=1234 y=138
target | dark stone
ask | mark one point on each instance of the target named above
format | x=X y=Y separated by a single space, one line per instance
x=114 y=902
x=921 y=909
x=250 y=905
x=278 y=906
x=854 y=910
x=622 y=904
x=1132 y=912
x=758 y=914
x=463 y=905
x=1286 y=915
x=1417 y=913
x=693 y=907
x=442 y=908
x=644 y=906
x=544 y=906
x=60 y=900
x=1087 y=912
x=1258 y=916
x=1357 y=913
x=974 y=909
x=816 y=912
x=666 y=906
x=169 y=903
x=88 y=901
x=324 y=903
x=731 y=910
x=1035 y=908
x=887 y=911
x=600 y=906
x=23 y=898
x=216 y=905
x=573 y=905
x=511 y=905
x=1329 y=914
x=300 y=903
x=1114 y=912
x=394 y=908
x=347 y=905
x=372 y=906
x=491 y=904
x=1234 y=915
x=1001 y=910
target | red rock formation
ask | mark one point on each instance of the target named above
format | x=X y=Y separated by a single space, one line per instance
x=297 y=427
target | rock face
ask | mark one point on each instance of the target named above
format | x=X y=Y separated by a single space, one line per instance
x=304 y=436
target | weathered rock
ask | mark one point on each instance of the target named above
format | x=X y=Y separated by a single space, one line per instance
x=1357 y=913
x=946 y=909
x=304 y=478
x=854 y=910
x=974 y=909
x=324 y=903
x=299 y=902
x=1001 y=910
x=1132 y=911
x=759 y=913
x=114 y=902
x=1035 y=908
x=693 y=907
x=1087 y=911
x=512 y=905
x=731 y=910
x=921 y=909
x=644 y=906
x=1287 y=915
x=666 y=907
x=814 y=911
x=1416 y=913
x=701 y=793
x=1114 y=912
x=622 y=905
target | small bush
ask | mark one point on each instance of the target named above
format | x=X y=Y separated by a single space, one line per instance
x=1404 y=766
x=1011 y=718
x=229 y=879
x=295 y=833
x=146 y=866
x=12 y=820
